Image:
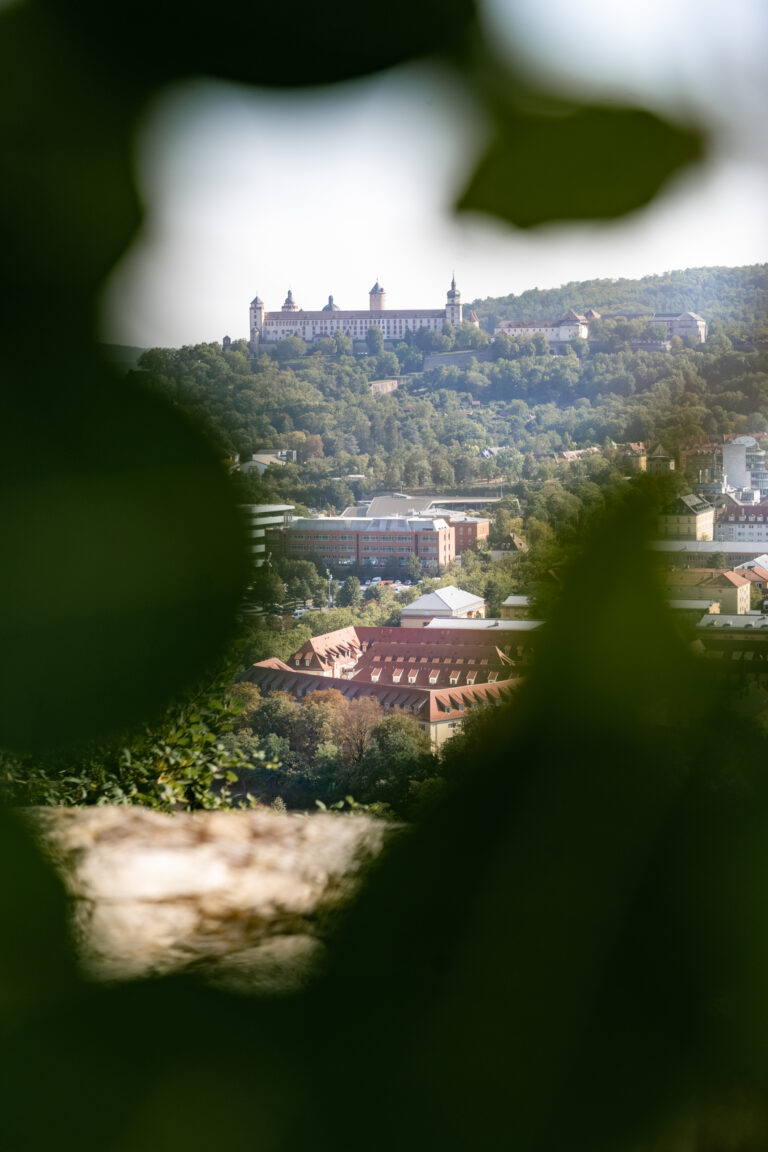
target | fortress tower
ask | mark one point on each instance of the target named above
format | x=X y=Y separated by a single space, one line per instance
x=377 y=297
x=257 y=321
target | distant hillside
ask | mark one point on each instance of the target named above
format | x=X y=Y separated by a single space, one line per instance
x=733 y=295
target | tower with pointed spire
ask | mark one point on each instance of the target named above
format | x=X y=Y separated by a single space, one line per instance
x=453 y=304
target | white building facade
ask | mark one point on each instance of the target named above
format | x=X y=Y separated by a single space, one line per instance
x=269 y=327
x=748 y=522
x=682 y=324
x=559 y=332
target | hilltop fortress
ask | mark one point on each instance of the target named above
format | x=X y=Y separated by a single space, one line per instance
x=268 y=327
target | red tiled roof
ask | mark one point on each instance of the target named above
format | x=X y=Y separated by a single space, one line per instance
x=424 y=704
x=725 y=578
x=754 y=575
x=704 y=577
x=448 y=669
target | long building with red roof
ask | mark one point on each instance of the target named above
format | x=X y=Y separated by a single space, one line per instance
x=436 y=675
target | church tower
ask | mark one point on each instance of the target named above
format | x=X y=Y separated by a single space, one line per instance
x=377 y=297
x=453 y=304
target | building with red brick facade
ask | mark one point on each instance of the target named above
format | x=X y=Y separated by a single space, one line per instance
x=368 y=542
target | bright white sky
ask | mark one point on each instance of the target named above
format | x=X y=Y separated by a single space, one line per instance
x=252 y=192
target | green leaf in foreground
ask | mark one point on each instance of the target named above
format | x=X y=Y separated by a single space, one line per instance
x=591 y=163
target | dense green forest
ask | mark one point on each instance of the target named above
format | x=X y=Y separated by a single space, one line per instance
x=737 y=296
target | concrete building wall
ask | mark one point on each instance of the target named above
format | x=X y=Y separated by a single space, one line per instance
x=699 y=526
x=369 y=543
x=735 y=465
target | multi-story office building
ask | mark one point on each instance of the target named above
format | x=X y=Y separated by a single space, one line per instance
x=260 y=518
x=368 y=542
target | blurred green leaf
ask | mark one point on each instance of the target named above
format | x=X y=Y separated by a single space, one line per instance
x=37 y=960
x=124 y=557
x=583 y=164
x=318 y=46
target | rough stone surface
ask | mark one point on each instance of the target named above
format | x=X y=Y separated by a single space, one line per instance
x=242 y=897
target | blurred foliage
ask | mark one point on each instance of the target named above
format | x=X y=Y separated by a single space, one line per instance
x=580 y=963
x=628 y=153
x=181 y=762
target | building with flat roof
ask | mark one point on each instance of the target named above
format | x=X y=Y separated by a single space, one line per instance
x=738 y=644
x=698 y=553
x=401 y=504
x=380 y=541
x=483 y=623
x=436 y=676
x=261 y=518
x=384 y=542
x=468 y=531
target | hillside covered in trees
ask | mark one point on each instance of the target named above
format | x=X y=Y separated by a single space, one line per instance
x=502 y=417
x=735 y=296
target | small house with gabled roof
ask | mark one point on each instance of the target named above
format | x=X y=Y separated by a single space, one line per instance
x=444 y=603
